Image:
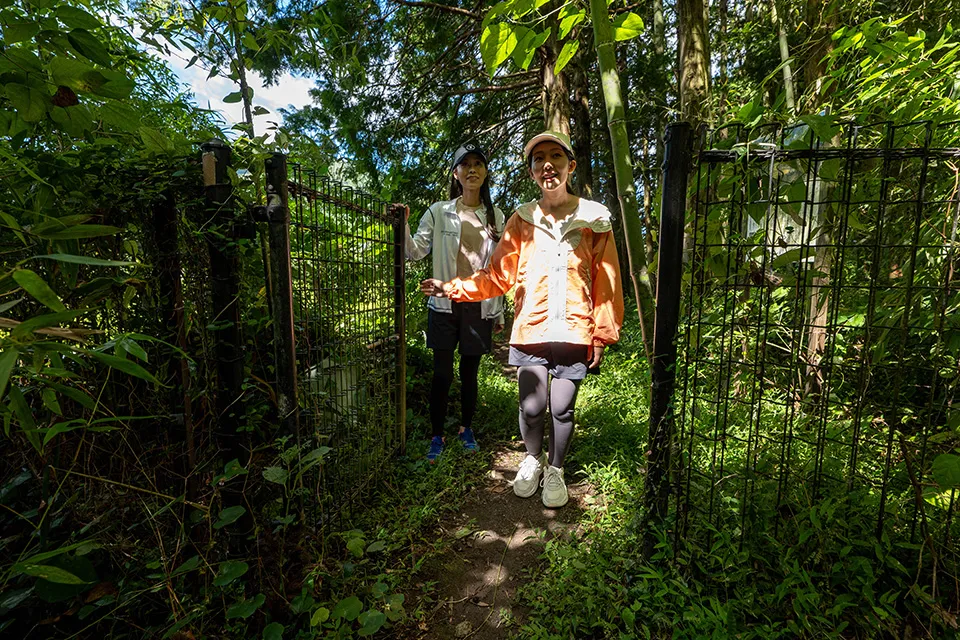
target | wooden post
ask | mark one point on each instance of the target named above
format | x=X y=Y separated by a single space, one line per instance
x=676 y=169
x=281 y=291
x=224 y=274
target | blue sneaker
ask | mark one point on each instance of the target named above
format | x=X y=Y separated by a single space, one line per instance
x=466 y=437
x=436 y=448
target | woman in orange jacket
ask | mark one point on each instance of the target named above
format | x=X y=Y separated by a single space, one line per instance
x=560 y=253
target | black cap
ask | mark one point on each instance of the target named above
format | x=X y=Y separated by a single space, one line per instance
x=465 y=150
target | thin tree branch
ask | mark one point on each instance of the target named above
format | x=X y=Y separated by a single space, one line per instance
x=441 y=7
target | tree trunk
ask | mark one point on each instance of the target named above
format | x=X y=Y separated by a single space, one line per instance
x=694 y=62
x=821 y=17
x=554 y=90
x=581 y=121
x=784 y=54
x=616 y=122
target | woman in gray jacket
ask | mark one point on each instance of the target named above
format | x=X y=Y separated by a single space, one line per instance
x=460 y=233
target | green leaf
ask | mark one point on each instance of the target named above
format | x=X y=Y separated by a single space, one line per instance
x=232 y=98
x=246 y=608
x=62 y=427
x=116 y=85
x=15 y=31
x=19 y=406
x=496 y=44
x=155 y=141
x=75 y=17
x=566 y=54
x=121 y=116
x=8 y=358
x=48 y=573
x=96 y=262
x=627 y=26
x=276 y=475
x=321 y=615
x=49 y=398
x=23 y=60
x=81 y=232
x=122 y=364
x=250 y=41
x=89 y=46
x=348 y=609
x=371 y=622
x=787 y=257
x=824 y=126
x=356 y=546
x=229 y=516
x=946 y=470
x=46 y=555
x=378 y=545
x=230 y=571
x=189 y=565
x=273 y=631
x=75 y=120
x=570 y=21
x=260 y=111
x=30 y=103
x=38 y=288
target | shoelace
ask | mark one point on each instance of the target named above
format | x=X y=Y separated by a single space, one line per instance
x=527 y=469
x=551 y=481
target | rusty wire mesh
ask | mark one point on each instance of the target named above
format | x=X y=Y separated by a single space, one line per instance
x=819 y=344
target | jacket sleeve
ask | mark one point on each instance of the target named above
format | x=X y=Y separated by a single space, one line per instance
x=419 y=245
x=499 y=276
x=607 y=291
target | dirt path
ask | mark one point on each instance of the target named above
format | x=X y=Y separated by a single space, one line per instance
x=499 y=538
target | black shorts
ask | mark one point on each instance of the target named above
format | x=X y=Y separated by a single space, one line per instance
x=465 y=326
x=562 y=359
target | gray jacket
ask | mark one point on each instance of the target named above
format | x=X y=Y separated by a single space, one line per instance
x=439 y=231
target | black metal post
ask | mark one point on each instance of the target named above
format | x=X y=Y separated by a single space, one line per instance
x=400 y=294
x=676 y=169
x=281 y=290
x=225 y=277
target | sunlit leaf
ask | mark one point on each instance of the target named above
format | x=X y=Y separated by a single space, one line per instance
x=626 y=26
x=566 y=54
x=497 y=42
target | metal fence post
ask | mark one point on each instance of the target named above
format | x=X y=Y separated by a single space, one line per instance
x=400 y=286
x=281 y=290
x=225 y=277
x=676 y=169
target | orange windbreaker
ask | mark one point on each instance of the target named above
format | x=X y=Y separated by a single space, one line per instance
x=567 y=277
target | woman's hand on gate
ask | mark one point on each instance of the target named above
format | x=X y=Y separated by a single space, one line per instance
x=433 y=287
x=402 y=207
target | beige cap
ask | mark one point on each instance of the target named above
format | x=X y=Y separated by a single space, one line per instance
x=561 y=139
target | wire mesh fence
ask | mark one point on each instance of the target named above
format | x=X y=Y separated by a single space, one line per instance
x=348 y=294
x=819 y=342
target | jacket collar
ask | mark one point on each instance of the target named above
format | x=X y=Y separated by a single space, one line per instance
x=589 y=215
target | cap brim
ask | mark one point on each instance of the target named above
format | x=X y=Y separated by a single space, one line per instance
x=458 y=159
x=544 y=137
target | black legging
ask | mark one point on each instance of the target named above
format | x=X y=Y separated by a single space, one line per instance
x=440 y=388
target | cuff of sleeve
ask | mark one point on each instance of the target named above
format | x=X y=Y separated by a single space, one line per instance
x=600 y=342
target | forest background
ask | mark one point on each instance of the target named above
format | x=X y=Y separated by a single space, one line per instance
x=100 y=502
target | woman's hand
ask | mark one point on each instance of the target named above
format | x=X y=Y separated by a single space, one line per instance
x=434 y=287
x=596 y=355
x=399 y=205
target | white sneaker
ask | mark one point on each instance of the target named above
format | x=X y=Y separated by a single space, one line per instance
x=554 y=488
x=528 y=475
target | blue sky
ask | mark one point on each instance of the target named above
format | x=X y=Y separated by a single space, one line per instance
x=289 y=91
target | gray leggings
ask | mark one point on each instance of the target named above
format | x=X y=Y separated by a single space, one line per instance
x=533 y=408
